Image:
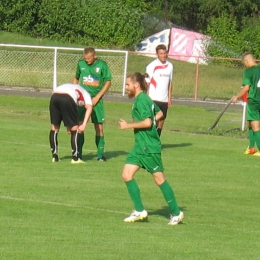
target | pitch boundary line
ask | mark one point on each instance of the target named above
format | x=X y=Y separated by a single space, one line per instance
x=60 y=204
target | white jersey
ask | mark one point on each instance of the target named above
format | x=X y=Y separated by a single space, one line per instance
x=160 y=75
x=78 y=94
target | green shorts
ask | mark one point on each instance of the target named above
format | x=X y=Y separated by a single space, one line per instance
x=152 y=162
x=253 y=112
x=98 y=113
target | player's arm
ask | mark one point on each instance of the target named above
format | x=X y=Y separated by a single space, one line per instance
x=146 y=123
x=86 y=118
x=102 y=92
x=242 y=92
x=170 y=94
x=75 y=81
x=159 y=116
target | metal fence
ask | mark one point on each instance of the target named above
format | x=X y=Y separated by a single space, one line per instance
x=47 y=67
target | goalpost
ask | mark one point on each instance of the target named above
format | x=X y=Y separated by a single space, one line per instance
x=46 y=66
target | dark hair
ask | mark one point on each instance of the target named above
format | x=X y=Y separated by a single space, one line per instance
x=160 y=47
x=89 y=50
x=138 y=77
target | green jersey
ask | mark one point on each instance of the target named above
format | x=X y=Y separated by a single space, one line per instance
x=97 y=74
x=146 y=140
x=252 y=77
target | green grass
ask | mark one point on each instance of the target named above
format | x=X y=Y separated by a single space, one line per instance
x=63 y=211
x=214 y=81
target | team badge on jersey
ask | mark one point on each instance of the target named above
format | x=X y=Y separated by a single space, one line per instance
x=97 y=69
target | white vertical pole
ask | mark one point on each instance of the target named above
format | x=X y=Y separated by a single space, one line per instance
x=244 y=104
x=126 y=61
x=55 y=69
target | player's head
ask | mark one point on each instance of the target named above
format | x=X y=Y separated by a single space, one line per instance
x=136 y=83
x=161 y=52
x=248 y=59
x=89 y=55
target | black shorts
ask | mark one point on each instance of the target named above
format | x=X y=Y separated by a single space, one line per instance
x=163 y=106
x=63 y=108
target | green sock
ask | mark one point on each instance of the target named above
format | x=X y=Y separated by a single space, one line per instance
x=100 y=143
x=251 y=138
x=257 y=139
x=170 y=198
x=81 y=140
x=135 y=195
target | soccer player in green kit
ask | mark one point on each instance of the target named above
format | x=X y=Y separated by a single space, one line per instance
x=251 y=84
x=147 y=150
x=94 y=75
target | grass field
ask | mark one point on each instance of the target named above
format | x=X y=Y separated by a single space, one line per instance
x=63 y=211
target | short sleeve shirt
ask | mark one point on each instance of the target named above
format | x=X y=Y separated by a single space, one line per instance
x=97 y=72
x=146 y=140
x=80 y=96
x=160 y=75
x=251 y=77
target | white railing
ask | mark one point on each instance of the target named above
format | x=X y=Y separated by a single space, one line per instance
x=47 y=66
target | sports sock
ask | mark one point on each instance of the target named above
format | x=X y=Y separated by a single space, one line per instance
x=100 y=143
x=53 y=138
x=74 y=144
x=81 y=140
x=170 y=198
x=135 y=195
x=251 y=138
x=159 y=131
x=257 y=139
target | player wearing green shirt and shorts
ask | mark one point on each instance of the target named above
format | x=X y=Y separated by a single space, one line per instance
x=94 y=75
x=147 y=150
x=251 y=84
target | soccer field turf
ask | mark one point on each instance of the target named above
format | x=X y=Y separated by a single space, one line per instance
x=63 y=211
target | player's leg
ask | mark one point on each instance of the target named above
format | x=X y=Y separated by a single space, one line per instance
x=251 y=147
x=81 y=136
x=130 y=168
x=71 y=121
x=55 y=118
x=253 y=116
x=98 y=118
x=164 y=108
x=153 y=164
x=53 y=140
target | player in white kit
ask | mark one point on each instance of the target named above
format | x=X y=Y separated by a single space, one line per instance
x=160 y=73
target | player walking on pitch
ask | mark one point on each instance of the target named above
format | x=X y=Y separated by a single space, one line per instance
x=63 y=107
x=147 y=150
x=160 y=73
x=251 y=84
x=93 y=74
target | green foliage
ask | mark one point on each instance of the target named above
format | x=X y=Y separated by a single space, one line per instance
x=250 y=36
x=18 y=15
x=225 y=39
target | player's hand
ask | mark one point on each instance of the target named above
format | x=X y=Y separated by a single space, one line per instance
x=122 y=124
x=95 y=100
x=234 y=99
x=81 y=129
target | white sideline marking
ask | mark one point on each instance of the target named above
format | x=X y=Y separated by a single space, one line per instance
x=60 y=204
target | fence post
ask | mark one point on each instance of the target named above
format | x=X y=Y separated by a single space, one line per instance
x=55 y=69
x=196 y=81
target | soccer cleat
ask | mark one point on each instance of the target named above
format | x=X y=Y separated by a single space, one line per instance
x=174 y=220
x=102 y=159
x=137 y=216
x=250 y=150
x=77 y=161
x=55 y=160
x=256 y=154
